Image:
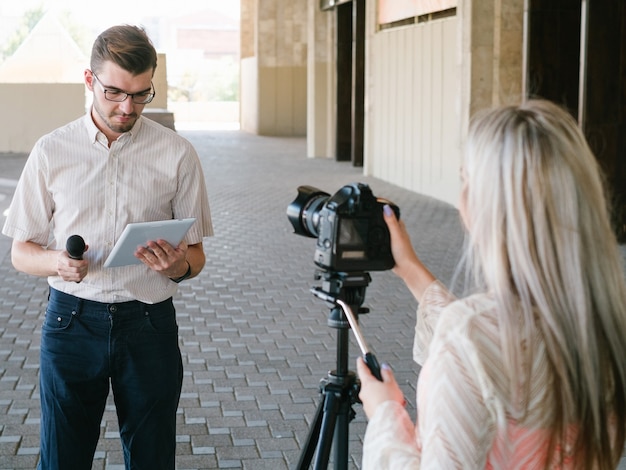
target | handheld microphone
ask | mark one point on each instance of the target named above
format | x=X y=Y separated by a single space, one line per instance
x=75 y=247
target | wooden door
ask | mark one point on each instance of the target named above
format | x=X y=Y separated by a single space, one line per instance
x=577 y=57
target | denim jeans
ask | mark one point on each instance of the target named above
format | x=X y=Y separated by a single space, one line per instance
x=87 y=347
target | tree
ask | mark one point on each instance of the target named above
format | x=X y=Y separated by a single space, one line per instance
x=29 y=20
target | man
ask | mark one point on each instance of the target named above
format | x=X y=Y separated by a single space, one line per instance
x=110 y=327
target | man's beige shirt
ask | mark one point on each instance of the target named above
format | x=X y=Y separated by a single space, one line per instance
x=73 y=183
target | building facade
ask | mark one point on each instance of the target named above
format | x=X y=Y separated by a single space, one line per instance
x=391 y=84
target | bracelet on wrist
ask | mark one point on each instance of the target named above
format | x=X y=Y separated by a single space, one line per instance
x=184 y=276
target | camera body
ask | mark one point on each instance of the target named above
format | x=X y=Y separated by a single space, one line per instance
x=351 y=232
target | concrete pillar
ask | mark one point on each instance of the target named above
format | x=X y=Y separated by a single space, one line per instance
x=491 y=47
x=157 y=109
x=160 y=83
x=321 y=89
x=273 y=67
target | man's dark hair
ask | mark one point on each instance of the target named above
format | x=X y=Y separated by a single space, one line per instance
x=127 y=46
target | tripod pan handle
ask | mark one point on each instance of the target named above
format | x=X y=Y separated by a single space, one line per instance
x=373 y=365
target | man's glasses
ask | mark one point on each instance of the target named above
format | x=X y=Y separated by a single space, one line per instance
x=113 y=94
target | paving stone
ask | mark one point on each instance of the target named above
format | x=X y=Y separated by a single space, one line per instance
x=255 y=341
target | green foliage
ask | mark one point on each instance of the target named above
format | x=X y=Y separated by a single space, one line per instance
x=78 y=31
x=29 y=20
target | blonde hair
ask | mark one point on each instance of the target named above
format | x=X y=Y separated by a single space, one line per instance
x=541 y=240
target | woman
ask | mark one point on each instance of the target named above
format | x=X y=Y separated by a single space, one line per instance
x=531 y=371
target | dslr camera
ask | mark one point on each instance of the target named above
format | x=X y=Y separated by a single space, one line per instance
x=351 y=232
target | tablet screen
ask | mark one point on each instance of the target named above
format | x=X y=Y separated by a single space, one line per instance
x=138 y=234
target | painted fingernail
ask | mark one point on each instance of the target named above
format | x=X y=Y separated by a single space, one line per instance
x=387 y=210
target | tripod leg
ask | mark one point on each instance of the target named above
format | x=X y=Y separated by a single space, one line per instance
x=311 y=440
x=327 y=431
x=323 y=430
x=342 y=454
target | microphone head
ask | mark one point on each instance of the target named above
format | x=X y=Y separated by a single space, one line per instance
x=75 y=246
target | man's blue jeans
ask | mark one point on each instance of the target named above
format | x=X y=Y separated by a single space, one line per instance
x=85 y=346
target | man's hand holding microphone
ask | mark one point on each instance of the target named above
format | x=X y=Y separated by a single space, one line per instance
x=70 y=263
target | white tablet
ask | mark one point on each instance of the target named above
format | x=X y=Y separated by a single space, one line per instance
x=138 y=234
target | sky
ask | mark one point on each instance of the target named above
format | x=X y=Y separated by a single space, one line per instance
x=100 y=16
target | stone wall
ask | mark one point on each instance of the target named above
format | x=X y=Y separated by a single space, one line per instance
x=273 y=67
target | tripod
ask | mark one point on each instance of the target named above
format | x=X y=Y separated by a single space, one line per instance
x=340 y=388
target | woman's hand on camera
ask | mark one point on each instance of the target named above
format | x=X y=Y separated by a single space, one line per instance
x=408 y=266
x=374 y=392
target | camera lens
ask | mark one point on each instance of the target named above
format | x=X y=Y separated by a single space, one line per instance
x=303 y=212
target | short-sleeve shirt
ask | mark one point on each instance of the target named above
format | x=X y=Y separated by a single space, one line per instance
x=73 y=183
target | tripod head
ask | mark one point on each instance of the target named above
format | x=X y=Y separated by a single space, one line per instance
x=348 y=287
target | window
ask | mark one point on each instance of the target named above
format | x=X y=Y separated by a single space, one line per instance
x=400 y=12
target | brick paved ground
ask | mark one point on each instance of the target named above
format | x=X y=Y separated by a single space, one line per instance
x=255 y=341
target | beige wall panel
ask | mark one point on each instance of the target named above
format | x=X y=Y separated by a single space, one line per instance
x=248 y=28
x=42 y=108
x=413 y=112
x=405 y=92
x=396 y=82
x=299 y=121
x=435 y=117
x=273 y=99
x=452 y=124
x=319 y=115
x=282 y=101
x=321 y=93
x=423 y=62
x=379 y=131
x=372 y=146
x=287 y=90
x=267 y=101
x=407 y=111
x=160 y=84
